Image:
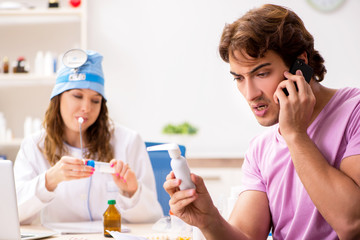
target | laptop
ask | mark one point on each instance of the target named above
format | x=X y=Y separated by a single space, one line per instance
x=9 y=218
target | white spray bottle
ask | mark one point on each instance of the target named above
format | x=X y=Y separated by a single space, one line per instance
x=178 y=164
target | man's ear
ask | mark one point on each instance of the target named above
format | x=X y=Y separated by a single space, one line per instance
x=303 y=57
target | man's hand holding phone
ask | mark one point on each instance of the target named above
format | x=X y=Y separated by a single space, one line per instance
x=296 y=107
x=305 y=69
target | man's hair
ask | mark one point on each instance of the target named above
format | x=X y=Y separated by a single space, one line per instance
x=98 y=135
x=275 y=28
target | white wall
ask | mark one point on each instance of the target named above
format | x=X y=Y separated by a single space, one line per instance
x=161 y=65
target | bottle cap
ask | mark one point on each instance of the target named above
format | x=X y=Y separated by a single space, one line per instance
x=172 y=148
x=90 y=163
x=111 y=202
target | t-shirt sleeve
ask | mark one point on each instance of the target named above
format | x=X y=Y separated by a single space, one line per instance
x=353 y=133
x=251 y=175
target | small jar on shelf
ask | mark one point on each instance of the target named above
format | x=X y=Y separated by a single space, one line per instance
x=5 y=64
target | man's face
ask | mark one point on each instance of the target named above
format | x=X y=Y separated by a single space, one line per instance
x=257 y=80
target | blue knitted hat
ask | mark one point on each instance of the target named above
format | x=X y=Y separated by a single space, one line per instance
x=90 y=75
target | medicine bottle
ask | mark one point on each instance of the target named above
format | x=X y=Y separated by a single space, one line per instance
x=6 y=64
x=111 y=219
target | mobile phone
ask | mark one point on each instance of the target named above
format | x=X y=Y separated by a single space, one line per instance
x=306 y=70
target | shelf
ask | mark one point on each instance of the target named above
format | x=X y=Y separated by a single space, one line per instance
x=25 y=79
x=42 y=12
x=27 y=31
x=213 y=162
x=36 y=16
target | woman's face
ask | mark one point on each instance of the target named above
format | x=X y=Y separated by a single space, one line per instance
x=77 y=103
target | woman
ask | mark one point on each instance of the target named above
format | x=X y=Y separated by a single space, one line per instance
x=51 y=175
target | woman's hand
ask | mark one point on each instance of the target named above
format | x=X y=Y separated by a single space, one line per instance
x=66 y=169
x=124 y=177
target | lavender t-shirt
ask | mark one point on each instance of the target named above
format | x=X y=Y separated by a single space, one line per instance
x=268 y=167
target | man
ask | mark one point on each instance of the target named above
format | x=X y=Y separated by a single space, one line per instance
x=301 y=178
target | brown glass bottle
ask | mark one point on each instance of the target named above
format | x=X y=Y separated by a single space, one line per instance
x=6 y=64
x=111 y=219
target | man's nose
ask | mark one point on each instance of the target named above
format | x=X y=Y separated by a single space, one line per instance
x=251 y=90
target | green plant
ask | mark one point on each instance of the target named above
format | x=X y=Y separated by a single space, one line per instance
x=183 y=128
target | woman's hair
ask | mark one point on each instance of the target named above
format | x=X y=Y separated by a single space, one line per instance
x=275 y=28
x=97 y=135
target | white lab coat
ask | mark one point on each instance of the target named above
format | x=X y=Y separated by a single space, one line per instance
x=85 y=199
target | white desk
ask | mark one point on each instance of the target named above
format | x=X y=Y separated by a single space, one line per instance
x=143 y=230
